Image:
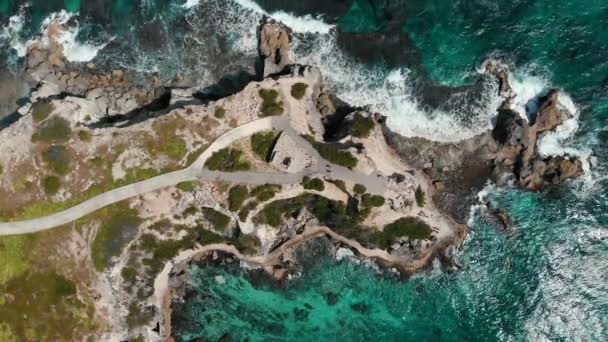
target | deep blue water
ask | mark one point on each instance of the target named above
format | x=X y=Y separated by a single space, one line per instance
x=547 y=281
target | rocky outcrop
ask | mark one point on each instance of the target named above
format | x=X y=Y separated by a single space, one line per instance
x=517 y=157
x=274 y=46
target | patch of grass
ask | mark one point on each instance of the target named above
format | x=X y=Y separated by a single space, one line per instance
x=139 y=315
x=359 y=189
x=228 y=160
x=167 y=141
x=84 y=136
x=1 y=169
x=14 y=256
x=51 y=185
x=57 y=158
x=186 y=186
x=237 y=195
x=420 y=196
x=220 y=112
x=333 y=153
x=55 y=130
x=298 y=90
x=262 y=143
x=44 y=307
x=175 y=149
x=313 y=184
x=117 y=230
x=270 y=106
x=219 y=221
x=361 y=126
x=265 y=192
x=41 y=110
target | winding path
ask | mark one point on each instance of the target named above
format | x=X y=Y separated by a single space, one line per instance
x=374 y=182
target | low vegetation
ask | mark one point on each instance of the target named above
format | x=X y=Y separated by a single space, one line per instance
x=84 y=136
x=167 y=141
x=359 y=189
x=361 y=126
x=262 y=144
x=368 y=200
x=265 y=192
x=298 y=90
x=57 y=157
x=270 y=105
x=420 y=196
x=333 y=153
x=313 y=184
x=237 y=195
x=51 y=185
x=186 y=186
x=115 y=231
x=228 y=160
x=41 y=110
x=218 y=221
x=410 y=227
x=55 y=130
x=220 y=112
x=14 y=256
x=244 y=212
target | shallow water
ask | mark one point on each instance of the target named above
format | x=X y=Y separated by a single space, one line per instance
x=546 y=281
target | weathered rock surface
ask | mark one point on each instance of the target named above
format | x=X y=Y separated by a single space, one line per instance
x=274 y=46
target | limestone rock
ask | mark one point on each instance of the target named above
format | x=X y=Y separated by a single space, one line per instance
x=274 y=46
x=550 y=115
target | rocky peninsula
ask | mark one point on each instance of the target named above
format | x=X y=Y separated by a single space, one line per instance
x=146 y=178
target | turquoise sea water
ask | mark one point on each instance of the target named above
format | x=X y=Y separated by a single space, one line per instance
x=546 y=281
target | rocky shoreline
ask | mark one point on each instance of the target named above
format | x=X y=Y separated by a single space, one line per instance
x=407 y=169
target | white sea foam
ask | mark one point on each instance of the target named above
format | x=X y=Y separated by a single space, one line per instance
x=527 y=88
x=191 y=3
x=73 y=50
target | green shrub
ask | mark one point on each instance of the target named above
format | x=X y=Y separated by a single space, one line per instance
x=228 y=160
x=359 y=189
x=333 y=153
x=54 y=130
x=361 y=126
x=372 y=200
x=237 y=195
x=419 y=194
x=51 y=185
x=298 y=90
x=410 y=227
x=218 y=220
x=265 y=192
x=220 y=112
x=58 y=159
x=186 y=186
x=41 y=110
x=270 y=106
x=84 y=136
x=313 y=184
x=113 y=234
x=261 y=144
